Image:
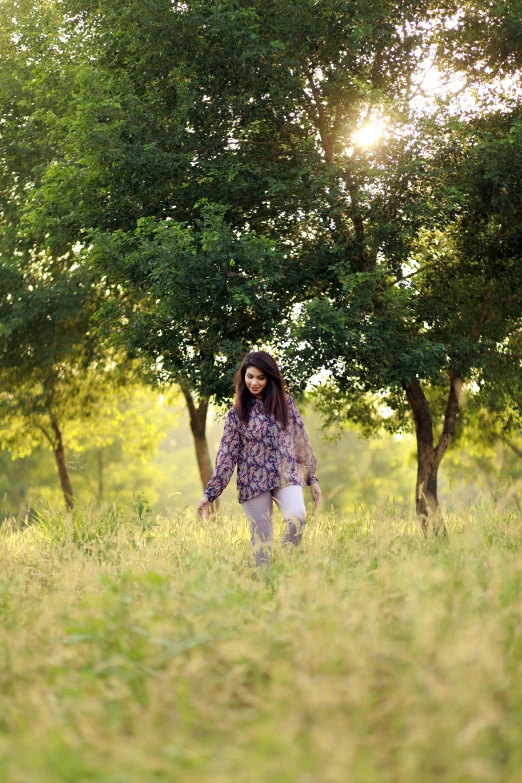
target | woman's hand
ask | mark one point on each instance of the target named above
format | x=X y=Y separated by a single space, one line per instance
x=315 y=489
x=203 y=506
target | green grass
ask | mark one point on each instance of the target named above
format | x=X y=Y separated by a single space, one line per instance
x=136 y=650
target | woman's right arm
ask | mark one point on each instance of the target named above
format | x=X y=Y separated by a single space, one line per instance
x=226 y=459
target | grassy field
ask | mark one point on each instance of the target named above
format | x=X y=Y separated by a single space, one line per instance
x=137 y=649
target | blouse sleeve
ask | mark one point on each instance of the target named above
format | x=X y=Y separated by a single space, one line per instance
x=226 y=459
x=303 y=450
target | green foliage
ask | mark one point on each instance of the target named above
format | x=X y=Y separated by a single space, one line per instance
x=380 y=243
x=154 y=123
x=204 y=159
x=55 y=366
x=206 y=292
x=133 y=442
x=58 y=372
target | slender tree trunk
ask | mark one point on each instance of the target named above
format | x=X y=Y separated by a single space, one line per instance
x=198 y=425
x=63 y=471
x=430 y=456
x=426 y=500
x=23 y=505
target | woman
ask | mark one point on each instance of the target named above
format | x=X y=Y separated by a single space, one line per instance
x=265 y=436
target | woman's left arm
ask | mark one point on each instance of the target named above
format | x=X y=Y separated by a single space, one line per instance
x=303 y=451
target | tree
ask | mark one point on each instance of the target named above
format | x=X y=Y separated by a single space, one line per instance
x=58 y=376
x=135 y=152
x=407 y=308
x=259 y=108
x=55 y=366
x=450 y=321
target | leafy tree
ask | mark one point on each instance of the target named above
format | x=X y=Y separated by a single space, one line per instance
x=135 y=149
x=221 y=101
x=449 y=321
x=408 y=306
x=129 y=450
x=58 y=376
x=55 y=368
x=114 y=155
x=258 y=108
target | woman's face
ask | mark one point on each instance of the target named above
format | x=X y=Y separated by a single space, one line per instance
x=255 y=381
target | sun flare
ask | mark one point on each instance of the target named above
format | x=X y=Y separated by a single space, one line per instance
x=369 y=134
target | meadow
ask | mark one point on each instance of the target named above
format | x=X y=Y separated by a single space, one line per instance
x=139 y=648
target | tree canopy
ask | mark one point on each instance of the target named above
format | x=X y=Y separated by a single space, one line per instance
x=213 y=163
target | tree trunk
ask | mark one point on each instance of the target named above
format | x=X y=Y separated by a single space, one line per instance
x=426 y=500
x=198 y=425
x=429 y=456
x=23 y=506
x=63 y=471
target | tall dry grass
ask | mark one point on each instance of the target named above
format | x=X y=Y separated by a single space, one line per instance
x=136 y=649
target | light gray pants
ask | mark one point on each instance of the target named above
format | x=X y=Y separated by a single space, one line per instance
x=259 y=511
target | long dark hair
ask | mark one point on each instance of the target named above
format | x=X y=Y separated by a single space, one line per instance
x=274 y=397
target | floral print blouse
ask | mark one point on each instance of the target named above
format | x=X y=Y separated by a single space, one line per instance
x=267 y=456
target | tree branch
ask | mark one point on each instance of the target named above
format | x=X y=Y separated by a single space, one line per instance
x=407 y=277
x=450 y=416
x=190 y=401
x=515 y=448
x=326 y=138
x=195 y=412
x=47 y=435
x=421 y=412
